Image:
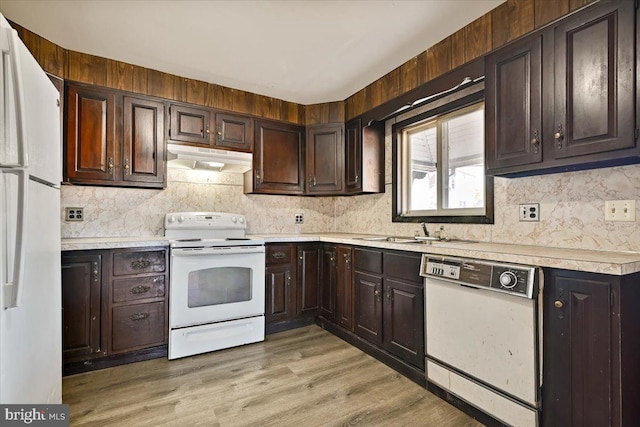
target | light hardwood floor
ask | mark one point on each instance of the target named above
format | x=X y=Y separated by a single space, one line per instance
x=303 y=377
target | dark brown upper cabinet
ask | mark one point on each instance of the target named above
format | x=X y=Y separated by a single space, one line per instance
x=113 y=139
x=189 y=124
x=513 y=104
x=325 y=159
x=143 y=145
x=278 y=159
x=91 y=142
x=364 y=157
x=234 y=132
x=564 y=98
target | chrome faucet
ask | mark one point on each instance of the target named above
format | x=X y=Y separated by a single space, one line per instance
x=424 y=228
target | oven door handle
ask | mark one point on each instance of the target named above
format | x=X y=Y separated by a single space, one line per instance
x=226 y=250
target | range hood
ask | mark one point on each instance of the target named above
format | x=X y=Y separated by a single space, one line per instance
x=188 y=157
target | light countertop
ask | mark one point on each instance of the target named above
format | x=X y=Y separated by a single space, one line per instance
x=607 y=262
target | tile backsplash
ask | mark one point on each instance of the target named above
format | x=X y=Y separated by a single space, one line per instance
x=571 y=209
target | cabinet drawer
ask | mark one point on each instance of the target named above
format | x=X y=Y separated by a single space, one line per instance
x=368 y=260
x=139 y=262
x=279 y=254
x=136 y=288
x=402 y=266
x=138 y=325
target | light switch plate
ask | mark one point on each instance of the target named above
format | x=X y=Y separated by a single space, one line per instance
x=620 y=210
x=529 y=212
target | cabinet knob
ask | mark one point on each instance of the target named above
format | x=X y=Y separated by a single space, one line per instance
x=110 y=164
x=558 y=304
x=126 y=166
x=535 y=141
x=559 y=136
x=376 y=292
x=207 y=130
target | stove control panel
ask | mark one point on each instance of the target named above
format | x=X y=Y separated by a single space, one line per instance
x=514 y=279
x=204 y=220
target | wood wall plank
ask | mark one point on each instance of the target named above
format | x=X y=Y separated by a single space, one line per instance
x=511 y=20
x=409 y=75
x=477 y=38
x=292 y=112
x=196 y=91
x=243 y=102
x=439 y=58
x=120 y=75
x=458 y=48
x=180 y=88
x=336 y=112
x=390 y=86
x=86 y=68
x=328 y=112
x=546 y=11
x=423 y=70
x=140 y=80
x=52 y=58
x=160 y=84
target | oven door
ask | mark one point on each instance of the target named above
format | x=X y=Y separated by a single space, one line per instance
x=216 y=284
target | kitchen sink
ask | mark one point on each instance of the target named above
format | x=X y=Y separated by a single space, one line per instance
x=393 y=239
x=419 y=240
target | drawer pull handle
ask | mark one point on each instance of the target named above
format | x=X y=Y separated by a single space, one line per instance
x=138 y=316
x=279 y=255
x=140 y=264
x=140 y=289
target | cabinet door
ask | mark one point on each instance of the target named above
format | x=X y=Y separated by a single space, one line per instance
x=234 y=131
x=308 y=272
x=280 y=296
x=345 y=298
x=190 y=125
x=577 y=349
x=594 y=81
x=143 y=143
x=353 y=157
x=403 y=315
x=513 y=104
x=328 y=282
x=368 y=307
x=81 y=287
x=278 y=158
x=325 y=159
x=91 y=144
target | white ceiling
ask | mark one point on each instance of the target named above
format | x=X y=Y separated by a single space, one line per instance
x=301 y=51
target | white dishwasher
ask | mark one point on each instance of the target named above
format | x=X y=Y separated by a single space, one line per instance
x=483 y=341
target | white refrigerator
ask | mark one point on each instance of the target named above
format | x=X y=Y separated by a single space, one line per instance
x=30 y=176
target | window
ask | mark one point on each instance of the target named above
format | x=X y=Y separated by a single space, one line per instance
x=440 y=173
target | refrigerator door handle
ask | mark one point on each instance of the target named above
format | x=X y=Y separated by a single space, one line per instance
x=17 y=85
x=14 y=286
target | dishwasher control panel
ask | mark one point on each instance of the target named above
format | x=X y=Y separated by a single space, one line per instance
x=514 y=279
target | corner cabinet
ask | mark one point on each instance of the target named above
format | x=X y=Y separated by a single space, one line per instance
x=278 y=159
x=364 y=157
x=573 y=110
x=113 y=139
x=591 y=349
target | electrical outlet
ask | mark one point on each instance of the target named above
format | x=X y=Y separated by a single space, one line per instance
x=299 y=218
x=529 y=212
x=620 y=210
x=74 y=214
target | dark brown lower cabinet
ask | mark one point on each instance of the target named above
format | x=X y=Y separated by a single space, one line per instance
x=328 y=282
x=389 y=302
x=345 y=287
x=81 y=305
x=292 y=285
x=591 y=349
x=114 y=304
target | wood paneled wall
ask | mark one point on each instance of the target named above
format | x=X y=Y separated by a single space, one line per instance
x=84 y=68
x=503 y=24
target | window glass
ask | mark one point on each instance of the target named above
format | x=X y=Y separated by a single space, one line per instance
x=441 y=169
